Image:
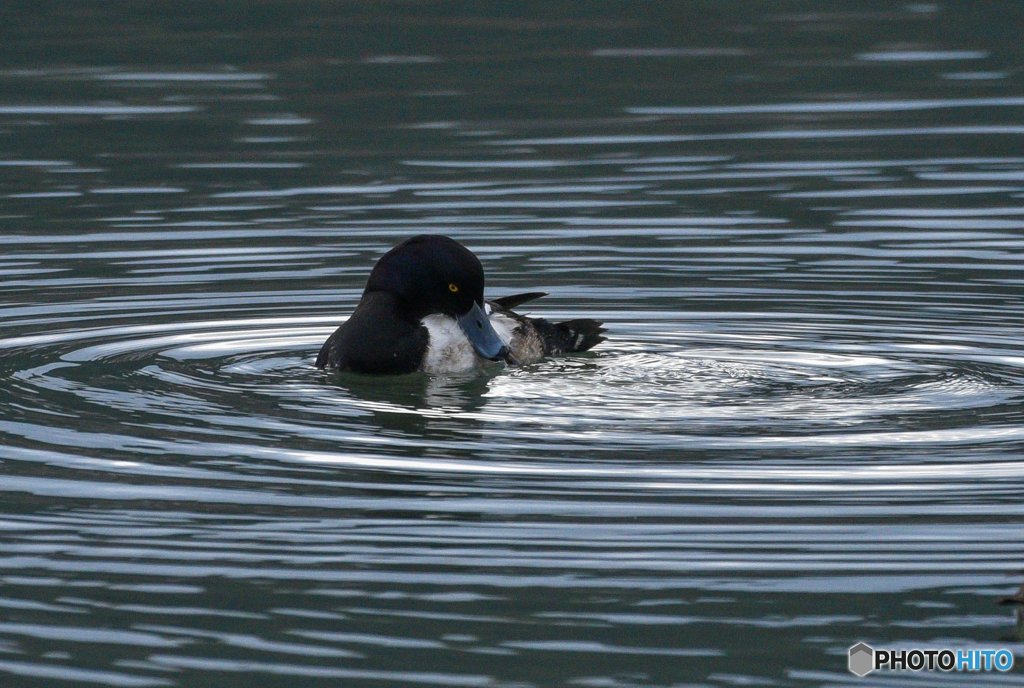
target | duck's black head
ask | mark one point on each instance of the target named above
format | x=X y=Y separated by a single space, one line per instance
x=430 y=273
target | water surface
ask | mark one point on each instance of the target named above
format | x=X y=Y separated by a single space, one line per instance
x=803 y=229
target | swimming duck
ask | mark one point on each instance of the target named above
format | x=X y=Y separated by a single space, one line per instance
x=423 y=309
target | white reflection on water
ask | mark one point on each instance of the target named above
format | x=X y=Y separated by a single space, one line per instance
x=922 y=55
x=99 y=110
x=853 y=106
x=759 y=135
x=183 y=76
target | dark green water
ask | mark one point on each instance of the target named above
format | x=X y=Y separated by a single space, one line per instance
x=803 y=224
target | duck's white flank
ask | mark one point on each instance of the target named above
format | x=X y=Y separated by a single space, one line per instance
x=448 y=348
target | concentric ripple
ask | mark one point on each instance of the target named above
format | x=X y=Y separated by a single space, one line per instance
x=652 y=393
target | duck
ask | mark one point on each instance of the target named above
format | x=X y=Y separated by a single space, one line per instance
x=423 y=310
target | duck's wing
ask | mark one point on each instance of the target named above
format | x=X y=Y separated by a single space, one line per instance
x=531 y=339
x=569 y=336
x=507 y=303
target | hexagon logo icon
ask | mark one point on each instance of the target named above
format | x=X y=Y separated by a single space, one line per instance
x=862 y=659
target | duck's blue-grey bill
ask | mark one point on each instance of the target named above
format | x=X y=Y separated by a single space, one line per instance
x=481 y=335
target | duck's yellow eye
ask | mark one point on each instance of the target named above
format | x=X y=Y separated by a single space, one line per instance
x=453 y=288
